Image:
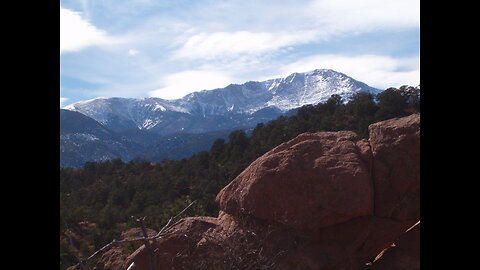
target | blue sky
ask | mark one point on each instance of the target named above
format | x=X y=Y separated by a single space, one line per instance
x=169 y=48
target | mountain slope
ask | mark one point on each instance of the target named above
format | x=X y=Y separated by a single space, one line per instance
x=223 y=108
x=83 y=139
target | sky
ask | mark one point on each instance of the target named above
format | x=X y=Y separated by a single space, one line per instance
x=169 y=48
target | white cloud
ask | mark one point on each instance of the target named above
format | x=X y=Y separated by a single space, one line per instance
x=232 y=44
x=132 y=52
x=365 y=15
x=182 y=83
x=294 y=24
x=375 y=70
x=77 y=33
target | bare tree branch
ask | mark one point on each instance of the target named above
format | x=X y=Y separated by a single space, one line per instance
x=143 y=239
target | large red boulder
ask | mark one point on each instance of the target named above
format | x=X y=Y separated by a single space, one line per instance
x=313 y=181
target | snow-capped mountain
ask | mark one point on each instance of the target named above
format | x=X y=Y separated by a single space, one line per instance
x=223 y=108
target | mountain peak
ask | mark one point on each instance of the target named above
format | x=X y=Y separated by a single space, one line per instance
x=280 y=94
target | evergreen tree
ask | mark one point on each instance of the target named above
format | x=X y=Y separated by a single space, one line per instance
x=362 y=108
x=391 y=104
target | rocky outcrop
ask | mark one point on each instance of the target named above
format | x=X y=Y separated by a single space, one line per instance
x=308 y=183
x=326 y=200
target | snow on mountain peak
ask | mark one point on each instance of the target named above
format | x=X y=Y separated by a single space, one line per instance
x=287 y=93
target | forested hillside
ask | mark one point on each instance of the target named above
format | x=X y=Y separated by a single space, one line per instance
x=109 y=193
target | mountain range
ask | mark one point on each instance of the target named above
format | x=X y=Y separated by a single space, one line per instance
x=155 y=129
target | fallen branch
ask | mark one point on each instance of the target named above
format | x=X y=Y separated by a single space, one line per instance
x=143 y=239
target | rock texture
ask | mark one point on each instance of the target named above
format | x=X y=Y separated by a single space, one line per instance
x=311 y=182
x=320 y=201
x=396 y=152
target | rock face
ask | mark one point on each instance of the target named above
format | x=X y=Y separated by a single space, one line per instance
x=311 y=182
x=396 y=152
x=320 y=201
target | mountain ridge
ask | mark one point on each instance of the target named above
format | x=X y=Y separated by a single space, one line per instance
x=233 y=105
x=84 y=139
x=156 y=129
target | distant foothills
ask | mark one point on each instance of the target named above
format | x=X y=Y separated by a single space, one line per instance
x=154 y=129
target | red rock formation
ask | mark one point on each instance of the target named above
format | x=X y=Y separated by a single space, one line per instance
x=311 y=182
x=320 y=201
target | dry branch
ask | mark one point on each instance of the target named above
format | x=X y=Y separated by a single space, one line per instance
x=143 y=239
